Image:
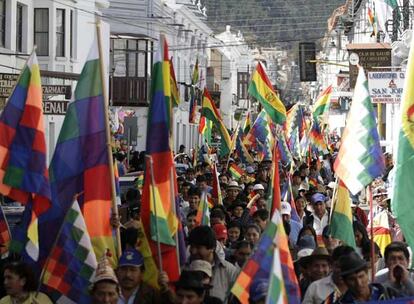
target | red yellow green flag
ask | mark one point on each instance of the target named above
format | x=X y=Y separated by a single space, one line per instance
x=402 y=200
x=261 y=89
x=210 y=111
x=321 y=106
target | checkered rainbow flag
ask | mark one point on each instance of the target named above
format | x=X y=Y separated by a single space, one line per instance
x=72 y=263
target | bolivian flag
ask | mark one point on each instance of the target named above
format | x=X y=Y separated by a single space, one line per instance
x=341 y=221
x=321 y=105
x=261 y=89
x=402 y=201
x=210 y=111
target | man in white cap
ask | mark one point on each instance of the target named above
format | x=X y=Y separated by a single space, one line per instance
x=295 y=227
x=233 y=189
x=259 y=189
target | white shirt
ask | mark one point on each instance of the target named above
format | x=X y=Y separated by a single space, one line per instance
x=319 y=224
x=319 y=290
x=131 y=299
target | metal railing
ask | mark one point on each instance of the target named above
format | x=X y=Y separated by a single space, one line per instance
x=129 y=91
x=402 y=20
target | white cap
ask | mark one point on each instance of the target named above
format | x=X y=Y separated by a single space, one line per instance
x=258 y=187
x=304 y=253
x=233 y=184
x=286 y=208
x=331 y=185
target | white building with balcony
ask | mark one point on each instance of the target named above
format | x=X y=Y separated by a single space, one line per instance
x=62 y=32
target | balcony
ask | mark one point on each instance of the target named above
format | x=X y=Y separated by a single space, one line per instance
x=401 y=21
x=129 y=91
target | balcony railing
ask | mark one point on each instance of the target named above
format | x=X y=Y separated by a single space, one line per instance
x=402 y=20
x=129 y=91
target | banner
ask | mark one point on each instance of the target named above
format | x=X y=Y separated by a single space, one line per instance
x=386 y=87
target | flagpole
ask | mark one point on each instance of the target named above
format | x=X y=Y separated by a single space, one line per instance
x=334 y=195
x=371 y=219
x=233 y=141
x=173 y=200
x=151 y=162
x=108 y=139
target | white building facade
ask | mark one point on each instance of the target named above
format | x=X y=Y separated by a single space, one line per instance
x=62 y=32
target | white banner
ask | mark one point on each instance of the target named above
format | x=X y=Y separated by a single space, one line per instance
x=386 y=87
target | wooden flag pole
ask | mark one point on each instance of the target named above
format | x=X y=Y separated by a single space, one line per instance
x=151 y=166
x=371 y=220
x=108 y=139
x=233 y=140
x=334 y=199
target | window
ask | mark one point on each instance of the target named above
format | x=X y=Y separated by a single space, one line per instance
x=19 y=28
x=71 y=44
x=41 y=31
x=2 y=23
x=60 y=33
x=242 y=84
x=130 y=66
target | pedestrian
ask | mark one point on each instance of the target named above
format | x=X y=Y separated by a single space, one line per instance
x=319 y=218
x=330 y=286
x=105 y=286
x=354 y=272
x=21 y=286
x=397 y=275
x=202 y=243
x=130 y=272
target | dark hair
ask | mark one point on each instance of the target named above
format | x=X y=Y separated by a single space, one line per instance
x=194 y=191
x=263 y=214
x=341 y=251
x=254 y=226
x=133 y=195
x=310 y=228
x=217 y=213
x=192 y=213
x=242 y=244
x=187 y=184
x=300 y=197
x=286 y=226
x=23 y=270
x=361 y=228
x=186 y=279
x=396 y=246
x=190 y=170
x=233 y=224
x=366 y=250
x=201 y=178
x=203 y=236
x=129 y=237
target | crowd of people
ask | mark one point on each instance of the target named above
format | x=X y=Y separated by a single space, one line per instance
x=328 y=270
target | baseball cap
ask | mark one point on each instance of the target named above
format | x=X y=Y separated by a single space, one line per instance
x=131 y=257
x=221 y=231
x=318 y=197
x=201 y=265
x=258 y=187
x=286 y=208
x=250 y=170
